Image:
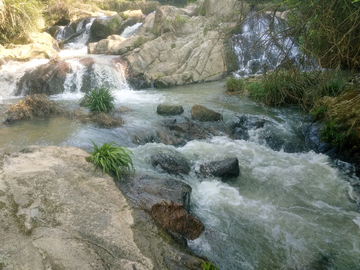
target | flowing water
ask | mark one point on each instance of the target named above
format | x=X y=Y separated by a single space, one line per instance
x=284 y=211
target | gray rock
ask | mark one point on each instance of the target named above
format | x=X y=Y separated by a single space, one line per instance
x=226 y=168
x=203 y=114
x=171 y=164
x=168 y=109
x=58 y=213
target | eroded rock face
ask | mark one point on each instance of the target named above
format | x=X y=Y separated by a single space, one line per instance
x=58 y=213
x=182 y=46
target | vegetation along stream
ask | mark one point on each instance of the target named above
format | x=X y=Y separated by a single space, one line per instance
x=290 y=207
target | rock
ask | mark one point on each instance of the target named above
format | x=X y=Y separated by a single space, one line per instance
x=58 y=213
x=167 y=201
x=136 y=15
x=240 y=126
x=121 y=6
x=168 y=109
x=29 y=52
x=45 y=79
x=226 y=168
x=184 y=48
x=117 y=46
x=171 y=164
x=103 y=120
x=44 y=39
x=203 y=114
x=104 y=27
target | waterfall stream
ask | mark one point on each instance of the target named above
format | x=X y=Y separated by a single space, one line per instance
x=286 y=210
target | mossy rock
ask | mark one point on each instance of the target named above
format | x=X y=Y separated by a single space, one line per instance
x=102 y=28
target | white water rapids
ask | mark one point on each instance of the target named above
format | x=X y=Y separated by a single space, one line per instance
x=284 y=211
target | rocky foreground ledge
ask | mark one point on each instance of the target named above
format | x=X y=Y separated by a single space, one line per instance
x=56 y=212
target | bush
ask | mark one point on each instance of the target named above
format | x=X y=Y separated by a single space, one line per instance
x=294 y=87
x=235 y=85
x=112 y=159
x=99 y=100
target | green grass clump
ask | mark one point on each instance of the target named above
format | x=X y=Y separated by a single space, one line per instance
x=112 y=159
x=235 y=85
x=209 y=266
x=294 y=87
x=100 y=100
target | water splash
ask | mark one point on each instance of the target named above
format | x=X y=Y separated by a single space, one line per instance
x=131 y=30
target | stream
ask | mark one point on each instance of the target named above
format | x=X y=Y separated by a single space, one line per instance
x=286 y=210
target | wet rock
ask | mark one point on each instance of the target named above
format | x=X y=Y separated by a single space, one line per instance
x=171 y=164
x=240 y=126
x=102 y=120
x=203 y=114
x=226 y=168
x=46 y=79
x=168 y=109
x=167 y=201
x=104 y=27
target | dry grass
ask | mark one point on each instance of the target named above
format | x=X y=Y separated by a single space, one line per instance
x=32 y=106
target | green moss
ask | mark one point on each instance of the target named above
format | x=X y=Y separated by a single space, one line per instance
x=140 y=41
x=2 y=205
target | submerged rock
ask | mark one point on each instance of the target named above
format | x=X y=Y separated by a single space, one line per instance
x=171 y=164
x=203 y=114
x=226 y=168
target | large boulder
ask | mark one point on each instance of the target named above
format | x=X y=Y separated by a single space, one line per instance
x=58 y=213
x=116 y=45
x=203 y=114
x=28 y=52
x=103 y=27
x=181 y=46
x=167 y=201
x=121 y=6
x=171 y=164
x=46 y=79
x=227 y=168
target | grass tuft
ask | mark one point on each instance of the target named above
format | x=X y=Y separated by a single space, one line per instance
x=32 y=106
x=114 y=160
x=100 y=100
x=209 y=266
x=235 y=85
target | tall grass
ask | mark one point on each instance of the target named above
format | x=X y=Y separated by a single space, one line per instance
x=99 y=100
x=112 y=159
x=294 y=87
x=18 y=19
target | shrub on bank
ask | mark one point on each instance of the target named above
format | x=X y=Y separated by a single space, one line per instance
x=235 y=85
x=294 y=87
x=113 y=160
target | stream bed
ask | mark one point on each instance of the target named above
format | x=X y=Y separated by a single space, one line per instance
x=284 y=211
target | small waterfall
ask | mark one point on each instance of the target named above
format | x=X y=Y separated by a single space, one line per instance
x=258 y=49
x=131 y=30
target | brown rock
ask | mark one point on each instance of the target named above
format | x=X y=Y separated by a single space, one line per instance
x=203 y=114
x=173 y=217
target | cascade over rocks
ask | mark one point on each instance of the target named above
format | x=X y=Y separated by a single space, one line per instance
x=46 y=79
x=180 y=46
